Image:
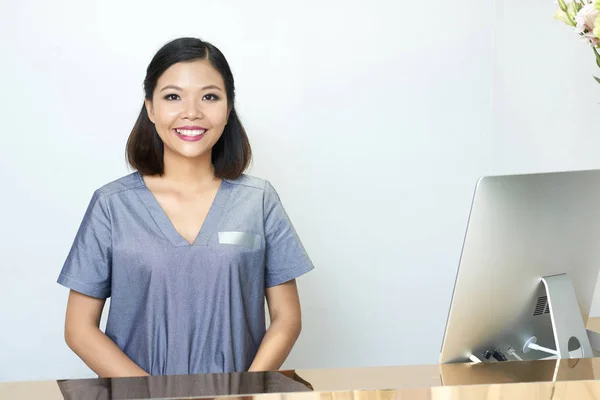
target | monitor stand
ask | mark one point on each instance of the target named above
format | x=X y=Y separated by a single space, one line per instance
x=572 y=339
x=570 y=334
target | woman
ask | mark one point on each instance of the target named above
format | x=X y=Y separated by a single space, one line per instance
x=188 y=246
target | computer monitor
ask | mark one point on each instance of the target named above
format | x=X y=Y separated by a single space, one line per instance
x=528 y=269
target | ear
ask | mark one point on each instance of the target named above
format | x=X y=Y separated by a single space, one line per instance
x=149 y=109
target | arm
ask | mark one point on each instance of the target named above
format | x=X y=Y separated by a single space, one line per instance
x=84 y=337
x=284 y=310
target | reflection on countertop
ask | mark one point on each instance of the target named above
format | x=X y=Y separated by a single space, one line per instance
x=183 y=386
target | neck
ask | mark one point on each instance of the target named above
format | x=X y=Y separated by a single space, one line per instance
x=188 y=172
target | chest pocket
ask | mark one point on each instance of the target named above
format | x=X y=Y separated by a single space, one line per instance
x=250 y=241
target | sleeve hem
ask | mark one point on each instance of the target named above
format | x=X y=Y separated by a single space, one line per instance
x=92 y=291
x=288 y=275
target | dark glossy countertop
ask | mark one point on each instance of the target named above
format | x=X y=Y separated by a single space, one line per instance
x=182 y=386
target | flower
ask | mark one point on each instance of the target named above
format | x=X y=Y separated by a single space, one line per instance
x=567 y=11
x=585 y=21
x=586 y=18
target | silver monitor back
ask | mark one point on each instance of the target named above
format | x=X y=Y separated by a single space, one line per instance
x=522 y=228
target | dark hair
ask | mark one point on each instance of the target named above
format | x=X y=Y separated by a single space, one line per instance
x=231 y=154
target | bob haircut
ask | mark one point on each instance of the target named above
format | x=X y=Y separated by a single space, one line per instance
x=231 y=154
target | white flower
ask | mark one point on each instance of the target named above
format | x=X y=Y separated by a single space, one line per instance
x=586 y=18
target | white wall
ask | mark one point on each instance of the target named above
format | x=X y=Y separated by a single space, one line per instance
x=546 y=103
x=372 y=119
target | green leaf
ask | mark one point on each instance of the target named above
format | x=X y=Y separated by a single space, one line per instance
x=597 y=57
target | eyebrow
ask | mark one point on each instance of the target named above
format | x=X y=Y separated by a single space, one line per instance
x=173 y=87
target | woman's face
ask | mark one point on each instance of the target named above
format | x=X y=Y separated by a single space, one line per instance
x=189 y=108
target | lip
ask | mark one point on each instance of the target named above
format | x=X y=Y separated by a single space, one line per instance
x=192 y=128
x=190 y=138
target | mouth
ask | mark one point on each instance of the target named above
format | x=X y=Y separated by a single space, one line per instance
x=190 y=133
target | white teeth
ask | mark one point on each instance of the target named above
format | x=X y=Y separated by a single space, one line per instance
x=187 y=132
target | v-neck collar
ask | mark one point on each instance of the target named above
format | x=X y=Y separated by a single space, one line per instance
x=166 y=226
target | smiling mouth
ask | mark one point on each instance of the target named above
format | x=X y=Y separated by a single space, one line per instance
x=190 y=132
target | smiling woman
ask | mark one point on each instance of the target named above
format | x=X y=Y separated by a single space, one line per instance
x=188 y=247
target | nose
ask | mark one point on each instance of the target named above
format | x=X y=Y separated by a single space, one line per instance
x=193 y=111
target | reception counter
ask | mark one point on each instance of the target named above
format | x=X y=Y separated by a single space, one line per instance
x=550 y=379
x=566 y=379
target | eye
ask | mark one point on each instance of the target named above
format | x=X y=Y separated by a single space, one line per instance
x=211 y=97
x=171 y=97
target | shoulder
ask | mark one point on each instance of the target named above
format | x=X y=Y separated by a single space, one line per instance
x=252 y=187
x=249 y=182
x=120 y=185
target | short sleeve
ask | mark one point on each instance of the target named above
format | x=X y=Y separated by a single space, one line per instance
x=286 y=258
x=87 y=268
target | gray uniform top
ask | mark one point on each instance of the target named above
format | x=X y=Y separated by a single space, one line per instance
x=178 y=308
